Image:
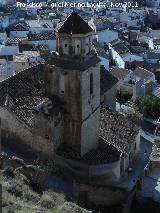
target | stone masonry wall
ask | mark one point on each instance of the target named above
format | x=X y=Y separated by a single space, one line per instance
x=13 y=128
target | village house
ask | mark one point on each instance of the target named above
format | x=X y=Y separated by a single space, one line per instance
x=3 y=37
x=138 y=82
x=154 y=33
x=8 y=49
x=39 y=26
x=153 y=3
x=6 y=66
x=4 y=20
x=106 y=36
x=151 y=57
x=154 y=43
x=19 y=30
x=44 y=38
x=121 y=54
x=26 y=59
x=99 y=24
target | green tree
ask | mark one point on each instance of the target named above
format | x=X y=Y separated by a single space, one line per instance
x=123 y=96
x=149 y=106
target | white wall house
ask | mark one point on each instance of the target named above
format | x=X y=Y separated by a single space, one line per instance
x=106 y=36
x=154 y=33
x=5 y=2
x=154 y=43
x=121 y=54
x=6 y=68
x=9 y=50
x=132 y=57
x=19 y=34
x=46 y=39
x=39 y=26
x=153 y=3
x=4 y=21
x=3 y=37
x=118 y=59
x=151 y=57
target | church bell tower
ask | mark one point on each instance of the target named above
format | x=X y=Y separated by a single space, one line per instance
x=75 y=80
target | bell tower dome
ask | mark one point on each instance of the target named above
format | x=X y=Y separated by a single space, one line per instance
x=74 y=36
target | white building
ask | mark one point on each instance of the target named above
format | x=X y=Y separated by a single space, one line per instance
x=3 y=37
x=106 y=36
x=154 y=43
x=153 y=3
x=46 y=39
x=26 y=59
x=4 y=21
x=19 y=30
x=121 y=54
x=6 y=67
x=39 y=26
x=9 y=50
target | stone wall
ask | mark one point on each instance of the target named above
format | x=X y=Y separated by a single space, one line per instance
x=102 y=173
x=52 y=130
x=109 y=98
x=99 y=195
x=90 y=132
x=90 y=109
x=81 y=116
x=17 y=133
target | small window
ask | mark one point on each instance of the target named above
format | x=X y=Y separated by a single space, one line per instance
x=50 y=70
x=77 y=45
x=87 y=44
x=62 y=91
x=47 y=136
x=91 y=83
x=65 y=45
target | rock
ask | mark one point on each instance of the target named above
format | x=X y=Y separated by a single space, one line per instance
x=17 y=162
x=29 y=171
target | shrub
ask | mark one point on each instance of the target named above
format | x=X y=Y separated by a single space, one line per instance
x=16 y=190
x=47 y=202
x=9 y=172
x=149 y=106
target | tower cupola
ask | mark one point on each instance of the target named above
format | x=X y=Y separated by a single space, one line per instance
x=74 y=36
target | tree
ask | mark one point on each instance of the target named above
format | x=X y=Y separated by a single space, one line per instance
x=149 y=106
x=106 y=47
x=123 y=97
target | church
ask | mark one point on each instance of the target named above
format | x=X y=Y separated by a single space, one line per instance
x=55 y=110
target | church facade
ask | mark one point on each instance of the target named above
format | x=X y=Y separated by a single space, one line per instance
x=54 y=109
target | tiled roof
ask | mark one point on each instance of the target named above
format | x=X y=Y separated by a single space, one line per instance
x=107 y=80
x=74 y=24
x=102 y=154
x=142 y=73
x=20 y=93
x=156 y=41
x=18 y=27
x=41 y=36
x=119 y=73
x=118 y=130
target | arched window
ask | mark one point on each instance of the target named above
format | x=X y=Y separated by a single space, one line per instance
x=91 y=83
